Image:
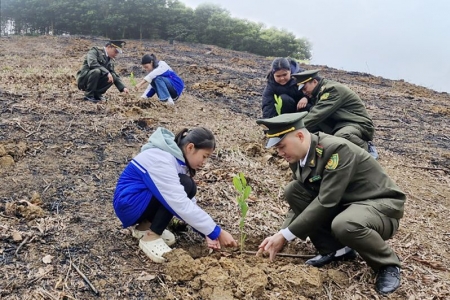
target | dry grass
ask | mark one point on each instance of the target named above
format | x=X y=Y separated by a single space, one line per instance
x=55 y=198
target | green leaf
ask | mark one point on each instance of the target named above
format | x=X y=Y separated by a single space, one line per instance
x=243 y=180
x=278 y=104
x=237 y=183
x=244 y=210
x=247 y=192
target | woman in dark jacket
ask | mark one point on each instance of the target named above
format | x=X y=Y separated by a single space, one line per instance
x=281 y=85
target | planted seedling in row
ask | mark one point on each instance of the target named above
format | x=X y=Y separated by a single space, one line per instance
x=132 y=80
x=278 y=104
x=244 y=190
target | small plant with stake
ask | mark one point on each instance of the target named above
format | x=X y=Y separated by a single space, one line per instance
x=244 y=190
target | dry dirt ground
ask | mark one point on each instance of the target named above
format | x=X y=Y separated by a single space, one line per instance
x=60 y=158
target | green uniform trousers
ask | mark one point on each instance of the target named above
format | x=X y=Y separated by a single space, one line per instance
x=360 y=227
x=354 y=135
x=94 y=83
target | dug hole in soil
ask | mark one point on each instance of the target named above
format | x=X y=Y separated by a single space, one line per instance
x=60 y=158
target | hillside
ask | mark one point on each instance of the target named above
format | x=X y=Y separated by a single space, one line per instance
x=60 y=158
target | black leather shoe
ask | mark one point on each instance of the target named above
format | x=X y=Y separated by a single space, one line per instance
x=91 y=99
x=322 y=260
x=388 y=279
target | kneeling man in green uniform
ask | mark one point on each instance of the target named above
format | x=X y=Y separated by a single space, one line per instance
x=340 y=197
x=337 y=110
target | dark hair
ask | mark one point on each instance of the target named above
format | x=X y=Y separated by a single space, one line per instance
x=150 y=58
x=201 y=137
x=280 y=63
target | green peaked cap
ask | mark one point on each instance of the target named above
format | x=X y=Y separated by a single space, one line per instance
x=277 y=127
x=118 y=45
x=304 y=77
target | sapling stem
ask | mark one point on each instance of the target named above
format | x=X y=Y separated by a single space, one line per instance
x=244 y=190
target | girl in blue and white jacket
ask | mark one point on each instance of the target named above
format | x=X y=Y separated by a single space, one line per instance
x=157 y=185
x=161 y=80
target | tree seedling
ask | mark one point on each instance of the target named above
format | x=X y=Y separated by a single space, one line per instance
x=244 y=190
x=278 y=104
x=132 y=80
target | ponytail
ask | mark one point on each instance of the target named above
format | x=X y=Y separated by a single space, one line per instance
x=201 y=137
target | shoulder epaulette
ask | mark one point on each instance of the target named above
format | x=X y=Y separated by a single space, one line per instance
x=319 y=150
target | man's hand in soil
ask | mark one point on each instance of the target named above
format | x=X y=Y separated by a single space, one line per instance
x=125 y=90
x=302 y=103
x=272 y=244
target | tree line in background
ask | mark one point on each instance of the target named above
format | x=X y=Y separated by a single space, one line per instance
x=150 y=19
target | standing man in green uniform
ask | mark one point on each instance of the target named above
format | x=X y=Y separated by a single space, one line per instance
x=340 y=197
x=338 y=110
x=97 y=74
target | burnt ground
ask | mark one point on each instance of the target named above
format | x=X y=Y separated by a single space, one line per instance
x=60 y=158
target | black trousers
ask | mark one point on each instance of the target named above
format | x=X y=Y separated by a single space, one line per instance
x=290 y=105
x=158 y=214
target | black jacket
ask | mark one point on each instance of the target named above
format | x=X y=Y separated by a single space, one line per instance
x=273 y=88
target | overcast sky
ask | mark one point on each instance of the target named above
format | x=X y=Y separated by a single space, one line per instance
x=407 y=39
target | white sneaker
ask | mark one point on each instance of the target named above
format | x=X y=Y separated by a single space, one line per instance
x=167 y=236
x=155 y=249
x=170 y=101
